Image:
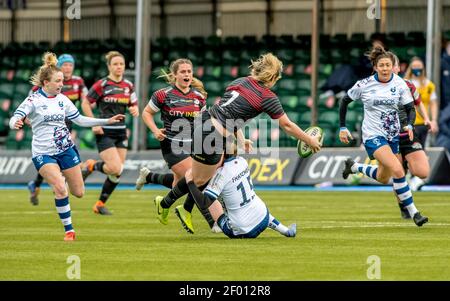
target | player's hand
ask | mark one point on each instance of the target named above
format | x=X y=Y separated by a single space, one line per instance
x=247 y=145
x=116 y=119
x=19 y=124
x=410 y=131
x=134 y=111
x=97 y=130
x=27 y=121
x=159 y=134
x=432 y=126
x=345 y=135
x=314 y=143
x=189 y=176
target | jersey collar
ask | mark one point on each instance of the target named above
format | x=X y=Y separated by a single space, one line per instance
x=41 y=91
x=178 y=89
x=229 y=159
x=376 y=78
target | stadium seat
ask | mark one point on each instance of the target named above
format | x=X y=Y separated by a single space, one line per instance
x=229 y=72
x=305 y=118
x=304 y=87
x=291 y=103
x=213 y=87
x=230 y=57
x=330 y=117
x=286 y=86
x=6 y=90
x=21 y=90
x=212 y=72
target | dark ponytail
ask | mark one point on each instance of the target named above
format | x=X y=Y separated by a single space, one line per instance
x=378 y=53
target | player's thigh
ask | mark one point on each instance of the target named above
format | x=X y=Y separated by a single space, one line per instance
x=418 y=164
x=112 y=159
x=52 y=174
x=122 y=154
x=180 y=169
x=74 y=180
x=202 y=173
x=389 y=163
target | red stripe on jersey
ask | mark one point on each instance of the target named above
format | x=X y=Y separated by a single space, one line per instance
x=161 y=95
x=412 y=89
x=98 y=89
x=263 y=90
x=253 y=99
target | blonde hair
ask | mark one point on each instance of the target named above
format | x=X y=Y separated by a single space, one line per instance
x=422 y=77
x=267 y=68
x=46 y=71
x=112 y=54
x=173 y=69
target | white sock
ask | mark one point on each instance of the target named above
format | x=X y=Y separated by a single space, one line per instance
x=411 y=209
x=274 y=224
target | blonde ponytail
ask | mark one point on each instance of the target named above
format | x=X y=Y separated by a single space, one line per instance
x=46 y=71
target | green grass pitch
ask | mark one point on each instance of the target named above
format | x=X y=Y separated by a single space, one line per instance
x=337 y=232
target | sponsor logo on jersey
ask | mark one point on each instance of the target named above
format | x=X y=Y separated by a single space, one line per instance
x=126 y=91
x=384 y=102
x=53 y=117
x=183 y=114
x=122 y=100
x=76 y=87
x=44 y=107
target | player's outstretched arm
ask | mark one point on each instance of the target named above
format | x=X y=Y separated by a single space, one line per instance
x=295 y=131
x=90 y=122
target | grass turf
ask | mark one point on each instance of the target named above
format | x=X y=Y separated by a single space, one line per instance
x=337 y=232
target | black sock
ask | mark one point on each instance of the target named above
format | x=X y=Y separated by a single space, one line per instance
x=99 y=166
x=38 y=180
x=177 y=192
x=205 y=212
x=163 y=179
x=107 y=189
x=189 y=203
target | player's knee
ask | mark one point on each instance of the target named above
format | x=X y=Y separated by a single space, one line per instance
x=116 y=170
x=383 y=179
x=60 y=190
x=78 y=193
x=421 y=172
x=397 y=171
x=199 y=181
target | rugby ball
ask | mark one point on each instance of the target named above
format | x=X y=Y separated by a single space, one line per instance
x=304 y=150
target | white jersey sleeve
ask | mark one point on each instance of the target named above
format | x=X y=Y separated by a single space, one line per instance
x=71 y=110
x=25 y=108
x=355 y=92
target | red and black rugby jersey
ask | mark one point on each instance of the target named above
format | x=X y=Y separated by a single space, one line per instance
x=178 y=110
x=112 y=98
x=244 y=99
